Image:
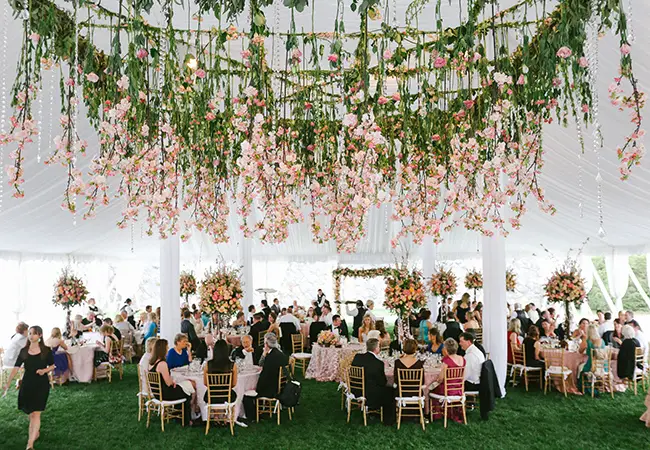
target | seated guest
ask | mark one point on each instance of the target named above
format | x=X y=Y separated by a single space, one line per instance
x=581 y=331
x=274 y=326
x=471 y=324
x=220 y=363
x=259 y=325
x=514 y=331
x=316 y=327
x=474 y=360
x=89 y=320
x=435 y=341
x=590 y=341
x=17 y=343
x=197 y=322
x=425 y=325
x=629 y=317
x=104 y=347
x=543 y=317
x=249 y=317
x=62 y=361
x=124 y=327
x=452 y=329
x=339 y=326
x=548 y=329
x=639 y=336
x=116 y=332
x=150 y=327
x=616 y=336
x=143 y=364
x=478 y=314
x=450 y=359
x=327 y=315
x=142 y=320
x=181 y=353
x=384 y=337
x=626 y=361
x=408 y=360
x=240 y=320
x=187 y=328
x=267 y=384
x=533 y=348
x=367 y=325
x=170 y=391
x=289 y=317
x=77 y=328
x=377 y=393
x=245 y=350
x=520 y=314
x=606 y=325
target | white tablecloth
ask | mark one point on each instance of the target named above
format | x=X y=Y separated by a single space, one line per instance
x=83 y=358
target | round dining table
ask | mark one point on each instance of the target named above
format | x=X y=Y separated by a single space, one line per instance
x=330 y=363
x=83 y=362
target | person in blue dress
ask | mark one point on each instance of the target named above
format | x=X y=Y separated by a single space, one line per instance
x=181 y=353
x=435 y=341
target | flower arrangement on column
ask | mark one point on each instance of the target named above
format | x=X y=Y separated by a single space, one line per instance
x=306 y=128
x=511 y=280
x=443 y=283
x=566 y=286
x=69 y=291
x=404 y=293
x=221 y=292
x=188 y=285
x=474 y=281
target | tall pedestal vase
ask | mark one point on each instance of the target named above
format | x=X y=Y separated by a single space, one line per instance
x=567 y=319
x=68 y=324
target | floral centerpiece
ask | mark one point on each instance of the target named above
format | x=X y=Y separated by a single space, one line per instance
x=567 y=286
x=221 y=291
x=443 y=283
x=511 y=280
x=69 y=291
x=188 y=284
x=474 y=281
x=327 y=338
x=404 y=292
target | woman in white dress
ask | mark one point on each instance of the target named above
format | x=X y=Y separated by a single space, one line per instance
x=367 y=325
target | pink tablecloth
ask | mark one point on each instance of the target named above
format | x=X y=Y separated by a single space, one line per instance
x=327 y=363
x=246 y=381
x=82 y=362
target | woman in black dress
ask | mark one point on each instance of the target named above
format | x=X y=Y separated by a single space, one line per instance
x=35 y=386
x=170 y=390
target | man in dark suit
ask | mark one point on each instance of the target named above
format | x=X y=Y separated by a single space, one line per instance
x=339 y=325
x=275 y=307
x=523 y=318
x=187 y=328
x=259 y=325
x=358 y=314
x=267 y=385
x=452 y=329
x=378 y=394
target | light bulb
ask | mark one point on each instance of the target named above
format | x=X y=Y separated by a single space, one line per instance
x=192 y=63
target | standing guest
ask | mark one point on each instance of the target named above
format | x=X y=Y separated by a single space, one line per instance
x=533 y=313
x=170 y=390
x=435 y=341
x=462 y=308
x=274 y=326
x=370 y=305
x=444 y=310
x=377 y=393
x=533 y=348
x=366 y=327
x=339 y=326
x=38 y=361
x=514 y=332
x=142 y=318
x=188 y=329
x=629 y=317
x=520 y=314
x=93 y=308
x=143 y=364
x=450 y=359
x=320 y=298
x=62 y=361
x=327 y=315
x=425 y=325
x=452 y=328
x=220 y=363
x=606 y=325
x=129 y=311
x=275 y=307
x=265 y=309
x=474 y=360
x=148 y=309
x=358 y=314
x=408 y=360
x=16 y=344
x=197 y=322
x=267 y=384
x=259 y=325
x=150 y=327
x=181 y=353
x=250 y=314
x=626 y=360
x=240 y=320
x=478 y=314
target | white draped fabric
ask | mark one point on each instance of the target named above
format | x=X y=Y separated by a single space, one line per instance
x=588 y=275
x=246 y=262
x=169 y=288
x=428 y=255
x=617 y=267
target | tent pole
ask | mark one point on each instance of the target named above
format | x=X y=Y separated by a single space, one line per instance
x=428 y=254
x=170 y=323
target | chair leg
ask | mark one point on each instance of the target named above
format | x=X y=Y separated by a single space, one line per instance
x=464 y=415
x=365 y=418
x=257 y=409
x=139 y=408
x=279 y=414
x=422 y=418
x=564 y=386
x=148 y=415
x=445 y=421
x=162 y=418
x=399 y=417
x=381 y=414
x=545 y=385
x=232 y=421
x=349 y=408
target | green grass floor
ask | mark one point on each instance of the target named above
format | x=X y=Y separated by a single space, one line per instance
x=104 y=416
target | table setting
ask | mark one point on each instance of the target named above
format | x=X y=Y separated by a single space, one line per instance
x=329 y=363
x=82 y=356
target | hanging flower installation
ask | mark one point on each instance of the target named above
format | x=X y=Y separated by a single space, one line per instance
x=443 y=283
x=188 y=285
x=511 y=280
x=312 y=132
x=221 y=291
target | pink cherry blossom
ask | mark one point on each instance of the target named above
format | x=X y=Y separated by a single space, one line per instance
x=564 y=52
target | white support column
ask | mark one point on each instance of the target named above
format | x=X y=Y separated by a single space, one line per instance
x=246 y=262
x=494 y=307
x=428 y=255
x=170 y=297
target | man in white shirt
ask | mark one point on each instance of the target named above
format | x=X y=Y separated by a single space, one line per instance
x=474 y=360
x=371 y=305
x=197 y=322
x=290 y=318
x=638 y=334
x=17 y=343
x=533 y=315
x=607 y=325
x=327 y=316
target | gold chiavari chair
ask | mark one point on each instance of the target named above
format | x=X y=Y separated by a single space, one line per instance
x=639 y=373
x=600 y=374
x=165 y=408
x=555 y=369
x=410 y=399
x=478 y=335
x=143 y=393
x=454 y=396
x=384 y=345
x=104 y=370
x=260 y=337
x=356 y=394
x=116 y=354
x=220 y=406
x=298 y=353
x=271 y=406
x=519 y=364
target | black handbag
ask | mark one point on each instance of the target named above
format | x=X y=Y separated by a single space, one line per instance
x=290 y=395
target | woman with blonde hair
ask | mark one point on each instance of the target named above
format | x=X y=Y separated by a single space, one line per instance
x=514 y=331
x=367 y=325
x=104 y=347
x=462 y=308
x=143 y=365
x=590 y=341
x=150 y=327
x=62 y=360
x=470 y=322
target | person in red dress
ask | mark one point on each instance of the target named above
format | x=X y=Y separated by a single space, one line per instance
x=449 y=360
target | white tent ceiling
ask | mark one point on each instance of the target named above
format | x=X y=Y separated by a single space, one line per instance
x=37 y=224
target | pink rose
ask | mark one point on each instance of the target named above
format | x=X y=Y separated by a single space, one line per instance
x=333 y=58
x=521 y=80
x=564 y=52
x=625 y=49
x=200 y=73
x=142 y=53
x=583 y=62
x=396 y=97
x=388 y=54
x=585 y=108
x=440 y=62
x=382 y=100
x=92 y=77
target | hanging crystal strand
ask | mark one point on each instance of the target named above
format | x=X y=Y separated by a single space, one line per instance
x=50 y=115
x=630 y=30
x=3 y=92
x=580 y=152
x=39 y=138
x=131 y=236
x=394 y=14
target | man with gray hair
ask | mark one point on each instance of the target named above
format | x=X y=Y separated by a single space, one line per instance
x=267 y=385
x=378 y=394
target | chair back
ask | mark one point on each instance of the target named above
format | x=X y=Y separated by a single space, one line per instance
x=409 y=382
x=154 y=385
x=356 y=381
x=296 y=343
x=219 y=388
x=116 y=348
x=519 y=356
x=455 y=381
x=600 y=360
x=478 y=335
x=638 y=357
x=384 y=346
x=283 y=377
x=288 y=329
x=260 y=337
x=142 y=386
x=554 y=357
